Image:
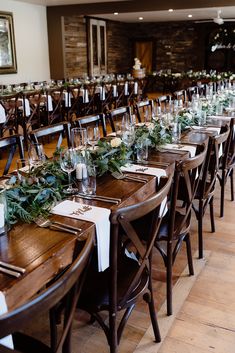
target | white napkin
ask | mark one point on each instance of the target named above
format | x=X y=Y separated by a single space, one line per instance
x=209 y=129
x=97 y=215
x=49 y=103
x=25 y=106
x=157 y=172
x=6 y=341
x=189 y=148
x=2 y=115
x=67 y=99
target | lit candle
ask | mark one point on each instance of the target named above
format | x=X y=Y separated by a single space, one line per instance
x=79 y=171
x=2 y=216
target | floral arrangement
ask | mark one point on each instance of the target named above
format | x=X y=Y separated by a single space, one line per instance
x=186 y=118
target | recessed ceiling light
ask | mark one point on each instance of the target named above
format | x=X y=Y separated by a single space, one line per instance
x=190 y=16
x=115 y=13
x=170 y=10
x=141 y=18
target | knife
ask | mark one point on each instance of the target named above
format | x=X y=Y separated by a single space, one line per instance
x=99 y=198
x=9 y=272
x=12 y=267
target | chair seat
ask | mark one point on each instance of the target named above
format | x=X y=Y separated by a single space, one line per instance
x=27 y=344
x=95 y=294
x=164 y=228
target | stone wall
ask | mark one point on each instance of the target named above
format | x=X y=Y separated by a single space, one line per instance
x=178 y=46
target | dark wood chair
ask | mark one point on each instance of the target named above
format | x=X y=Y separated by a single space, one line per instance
x=11 y=145
x=12 y=106
x=128 y=278
x=67 y=287
x=227 y=165
x=142 y=108
x=175 y=227
x=206 y=187
x=114 y=115
x=60 y=130
x=163 y=102
x=96 y=120
x=190 y=91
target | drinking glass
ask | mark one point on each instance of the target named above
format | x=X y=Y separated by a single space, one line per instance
x=176 y=132
x=89 y=179
x=79 y=137
x=93 y=135
x=68 y=162
x=142 y=150
x=128 y=135
x=36 y=154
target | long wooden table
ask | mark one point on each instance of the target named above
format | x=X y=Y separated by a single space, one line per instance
x=44 y=253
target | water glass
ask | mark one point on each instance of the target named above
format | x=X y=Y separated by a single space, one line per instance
x=93 y=135
x=142 y=151
x=79 y=137
x=88 y=179
x=128 y=135
x=36 y=154
x=68 y=162
x=176 y=132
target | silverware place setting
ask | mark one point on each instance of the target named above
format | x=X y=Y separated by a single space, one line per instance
x=11 y=270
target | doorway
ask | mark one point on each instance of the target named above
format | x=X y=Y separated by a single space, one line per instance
x=97 y=47
x=143 y=50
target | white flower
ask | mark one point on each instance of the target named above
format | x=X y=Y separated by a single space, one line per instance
x=189 y=116
x=116 y=142
x=218 y=77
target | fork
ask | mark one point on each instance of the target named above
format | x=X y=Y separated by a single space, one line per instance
x=121 y=176
x=46 y=223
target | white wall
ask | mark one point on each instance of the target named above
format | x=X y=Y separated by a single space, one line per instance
x=31 y=40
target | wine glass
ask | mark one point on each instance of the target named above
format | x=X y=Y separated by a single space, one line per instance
x=93 y=135
x=68 y=162
x=79 y=138
x=36 y=154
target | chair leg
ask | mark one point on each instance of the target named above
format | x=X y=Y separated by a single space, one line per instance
x=212 y=215
x=200 y=235
x=232 y=186
x=153 y=315
x=222 y=194
x=169 y=285
x=189 y=255
x=113 y=333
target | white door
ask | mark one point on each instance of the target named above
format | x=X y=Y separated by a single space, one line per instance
x=97 y=47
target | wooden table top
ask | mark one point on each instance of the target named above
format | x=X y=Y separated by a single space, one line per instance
x=44 y=252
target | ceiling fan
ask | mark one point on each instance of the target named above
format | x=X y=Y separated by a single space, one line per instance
x=218 y=19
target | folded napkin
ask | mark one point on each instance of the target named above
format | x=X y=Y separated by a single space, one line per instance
x=6 y=341
x=189 y=148
x=142 y=169
x=25 y=106
x=97 y=215
x=209 y=129
x=48 y=103
x=2 y=115
x=67 y=99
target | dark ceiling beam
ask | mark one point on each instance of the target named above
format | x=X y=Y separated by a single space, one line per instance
x=135 y=6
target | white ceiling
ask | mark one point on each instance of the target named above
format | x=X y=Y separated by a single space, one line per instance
x=151 y=16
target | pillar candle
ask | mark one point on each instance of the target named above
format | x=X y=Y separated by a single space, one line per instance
x=2 y=215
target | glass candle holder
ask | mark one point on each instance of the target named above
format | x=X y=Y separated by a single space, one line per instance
x=4 y=222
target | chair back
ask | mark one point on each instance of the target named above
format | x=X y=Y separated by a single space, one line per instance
x=142 y=108
x=66 y=287
x=186 y=180
x=61 y=129
x=11 y=144
x=12 y=108
x=114 y=115
x=130 y=223
x=96 y=120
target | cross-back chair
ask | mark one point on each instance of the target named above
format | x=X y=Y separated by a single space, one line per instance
x=10 y=113
x=163 y=102
x=128 y=278
x=180 y=96
x=191 y=91
x=96 y=120
x=227 y=165
x=11 y=144
x=144 y=109
x=59 y=130
x=206 y=187
x=175 y=227
x=66 y=287
x=114 y=115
